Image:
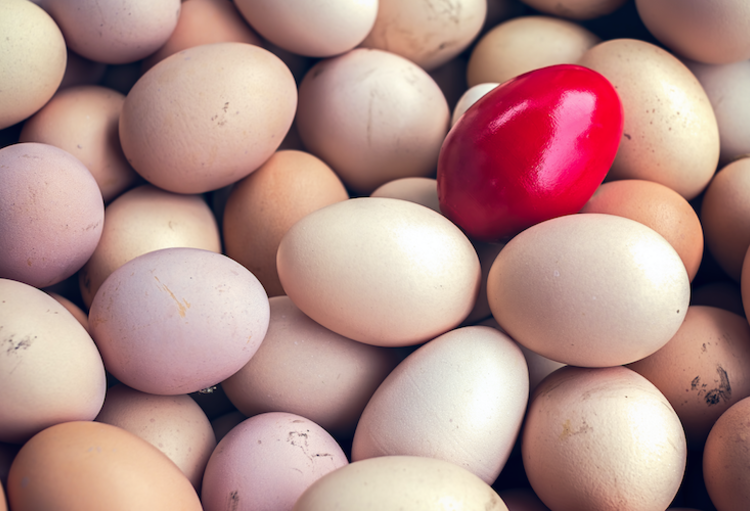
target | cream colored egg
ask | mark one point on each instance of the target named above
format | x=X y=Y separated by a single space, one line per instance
x=670 y=133
x=422 y=190
x=468 y=98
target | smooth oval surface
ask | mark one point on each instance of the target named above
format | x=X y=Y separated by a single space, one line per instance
x=378 y=270
x=589 y=289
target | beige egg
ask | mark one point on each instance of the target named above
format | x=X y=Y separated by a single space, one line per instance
x=725 y=215
x=146 y=219
x=576 y=9
x=263 y=206
x=670 y=133
x=602 y=438
x=373 y=116
x=468 y=98
x=422 y=190
x=589 y=289
x=379 y=270
x=525 y=43
x=32 y=60
x=394 y=483
x=427 y=33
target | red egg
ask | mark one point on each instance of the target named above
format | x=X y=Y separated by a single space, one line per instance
x=532 y=149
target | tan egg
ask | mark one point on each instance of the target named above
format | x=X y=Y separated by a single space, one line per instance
x=205 y=22
x=591 y=290
x=32 y=60
x=176 y=425
x=373 y=116
x=723 y=294
x=379 y=270
x=89 y=466
x=701 y=31
x=602 y=438
x=74 y=309
x=703 y=370
x=525 y=43
x=725 y=215
x=670 y=134
x=394 y=483
x=263 y=206
x=576 y=9
x=471 y=96
x=425 y=33
x=83 y=120
x=207 y=116
x=726 y=457
x=657 y=207
x=146 y=219
x=303 y=368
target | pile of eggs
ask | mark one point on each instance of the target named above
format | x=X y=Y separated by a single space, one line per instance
x=226 y=282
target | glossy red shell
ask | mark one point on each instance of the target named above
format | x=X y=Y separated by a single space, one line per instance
x=534 y=148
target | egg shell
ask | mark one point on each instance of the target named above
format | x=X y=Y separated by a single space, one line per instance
x=525 y=43
x=670 y=135
x=658 y=207
x=393 y=483
x=373 y=116
x=90 y=466
x=460 y=397
x=32 y=60
x=378 y=270
x=178 y=320
x=75 y=310
x=426 y=33
x=142 y=220
x=303 y=368
x=265 y=204
x=51 y=213
x=117 y=31
x=176 y=425
x=471 y=96
x=589 y=289
x=602 y=438
x=207 y=116
x=266 y=462
x=51 y=371
x=576 y=9
x=84 y=121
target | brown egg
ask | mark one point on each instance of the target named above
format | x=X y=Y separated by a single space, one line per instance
x=263 y=206
x=91 y=466
x=525 y=43
x=670 y=135
x=658 y=207
x=146 y=219
x=83 y=120
x=725 y=215
x=576 y=9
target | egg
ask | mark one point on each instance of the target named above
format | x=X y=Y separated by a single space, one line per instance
x=576 y=9
x=468 y=98
x=589 y=289
x=422 y=190
x=74 y=309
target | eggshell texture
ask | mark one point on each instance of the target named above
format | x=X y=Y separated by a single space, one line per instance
x=142 y=220
x=525 y=43
x=422 y=190
x=603 y=439
x=267 y=461
x=178 y=320
x=460 y=398
x=394 y=483
x=703 y=370
x=671 y=135
x=50 y=370
x=265 y=204
x=373 y=116
x=207 y=116
x=590 y=289
x=576 y=9
x=381 y=271
x=176 y=425
x=90 y=466
x=316 y=28
x=725 y=215
x=84 y=121
x=726 y=457
x=426 y=33
x=658 y=207
x=116 y=31
x=303 y=368
x=32 y=60
x=51 y=213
